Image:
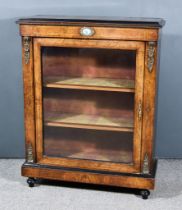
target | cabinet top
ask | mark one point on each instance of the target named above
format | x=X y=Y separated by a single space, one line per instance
x=80 y=20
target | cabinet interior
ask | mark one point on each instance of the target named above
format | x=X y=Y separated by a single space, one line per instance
x=88 y=103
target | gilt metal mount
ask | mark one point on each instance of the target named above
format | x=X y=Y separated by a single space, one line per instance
x=151 y=55
x=26 y=42
x=140 y=110
x=29 y=153
x=146 y=164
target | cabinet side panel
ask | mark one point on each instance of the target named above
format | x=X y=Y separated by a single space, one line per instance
x=149 y=106
x=29 y=118
x=157 y=84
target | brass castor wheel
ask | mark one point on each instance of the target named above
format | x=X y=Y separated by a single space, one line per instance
x=31 y=182
x=145 y=194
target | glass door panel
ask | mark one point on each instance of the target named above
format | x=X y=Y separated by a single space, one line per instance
x=88 y=144
x=107 y=110
x=94 y=113
x=89 y=107
x=84 y=67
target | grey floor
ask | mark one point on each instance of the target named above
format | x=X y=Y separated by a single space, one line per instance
x=15 y=195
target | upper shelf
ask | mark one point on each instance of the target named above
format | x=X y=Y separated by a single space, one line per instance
x=120 y=85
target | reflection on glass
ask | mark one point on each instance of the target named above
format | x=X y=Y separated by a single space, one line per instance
x=88 y=144
x=83 y=123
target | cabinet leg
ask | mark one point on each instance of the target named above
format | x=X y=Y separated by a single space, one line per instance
x=31 y=182
x=145 y=193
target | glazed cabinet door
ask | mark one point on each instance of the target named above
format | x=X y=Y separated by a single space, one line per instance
x=88 y=103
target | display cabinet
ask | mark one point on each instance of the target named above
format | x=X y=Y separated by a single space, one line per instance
x=89 y=95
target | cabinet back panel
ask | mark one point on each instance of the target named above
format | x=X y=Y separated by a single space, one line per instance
x=88 y=144
x=108 y=104
x=87 y=62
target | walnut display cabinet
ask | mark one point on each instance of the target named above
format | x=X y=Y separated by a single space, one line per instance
x=89 y=95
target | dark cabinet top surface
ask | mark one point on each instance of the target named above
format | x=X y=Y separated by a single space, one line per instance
x=138 y=22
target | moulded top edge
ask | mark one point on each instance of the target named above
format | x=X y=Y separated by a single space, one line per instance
x=101 y=20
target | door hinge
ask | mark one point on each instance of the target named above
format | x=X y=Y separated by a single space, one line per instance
x=145 y=169
x=30 y=158
x=151 y=55
x=26 y=42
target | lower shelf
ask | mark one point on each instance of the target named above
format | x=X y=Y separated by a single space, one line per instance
x=88 y=121
x=90 y=83
x=109 y=146
x=90 y=153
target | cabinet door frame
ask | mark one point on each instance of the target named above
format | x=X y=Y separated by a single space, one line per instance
x=79 y=163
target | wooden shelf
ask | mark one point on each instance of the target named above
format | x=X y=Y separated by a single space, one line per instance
x=81 y=150
x=88 y=122
x=122 y=85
